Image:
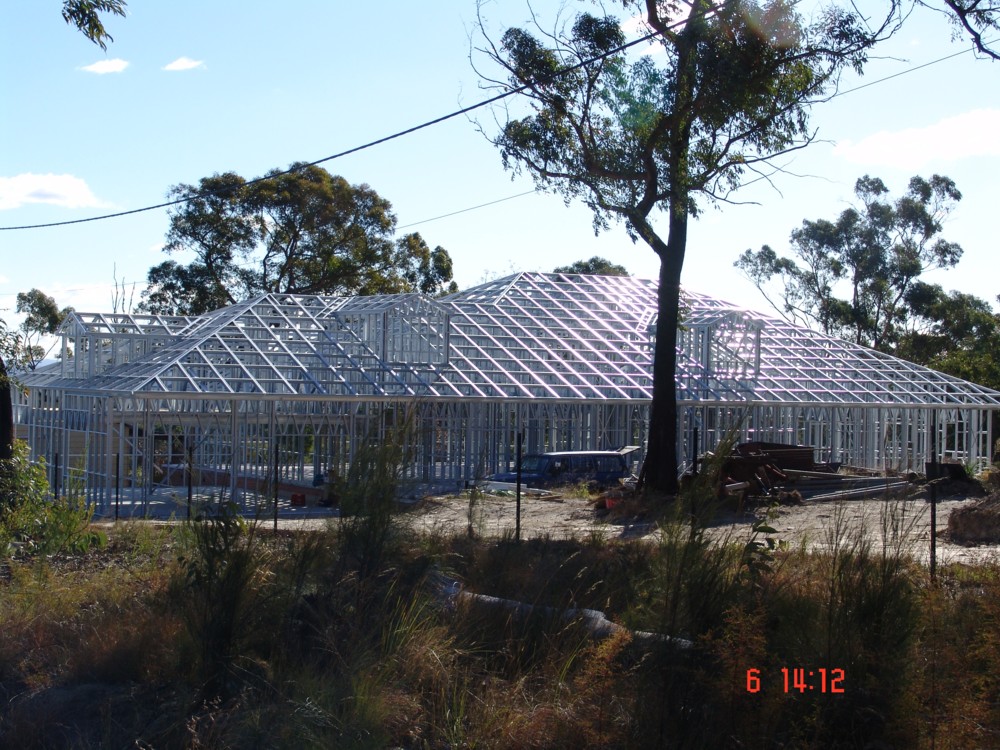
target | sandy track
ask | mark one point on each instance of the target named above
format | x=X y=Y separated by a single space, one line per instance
x=811 y=523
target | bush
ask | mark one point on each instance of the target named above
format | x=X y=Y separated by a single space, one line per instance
x=30 y=522
x=238 y=590
x=368 y=519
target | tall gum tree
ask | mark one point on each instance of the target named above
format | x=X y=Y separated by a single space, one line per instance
x=295 y=231
x=859 y=276
x=631 y=135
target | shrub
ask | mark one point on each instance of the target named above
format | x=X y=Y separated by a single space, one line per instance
x=368 y=522
x=31 y=523
x=235 y=593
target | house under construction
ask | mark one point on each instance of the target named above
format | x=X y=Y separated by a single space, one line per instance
x=291 y=386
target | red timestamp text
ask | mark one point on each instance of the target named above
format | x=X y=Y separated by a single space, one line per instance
x=803 y=680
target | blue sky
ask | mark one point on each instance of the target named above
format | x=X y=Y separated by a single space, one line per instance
x=190 y=88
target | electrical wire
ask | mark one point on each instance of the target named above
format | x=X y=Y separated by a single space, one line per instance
x=444 y=118
x=363 y=147
x=904 y=72
x=463 y=210
x=404 y=226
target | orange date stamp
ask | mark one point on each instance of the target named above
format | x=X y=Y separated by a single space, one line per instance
x=802 y=680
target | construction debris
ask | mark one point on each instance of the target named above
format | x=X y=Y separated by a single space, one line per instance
x=790 y=473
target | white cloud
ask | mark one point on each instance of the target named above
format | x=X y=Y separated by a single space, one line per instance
x=115 y=65
x=184 y=63
x=971 y=134
x=56 y=189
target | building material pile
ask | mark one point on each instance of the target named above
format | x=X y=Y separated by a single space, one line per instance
x=777 y=470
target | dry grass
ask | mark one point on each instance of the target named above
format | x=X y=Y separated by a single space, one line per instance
x=96 y=651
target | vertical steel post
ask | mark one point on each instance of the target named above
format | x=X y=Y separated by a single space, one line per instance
x=934 y=472
x=190 y=478
x=694 y=451
x=517 y=521
x=277 y=457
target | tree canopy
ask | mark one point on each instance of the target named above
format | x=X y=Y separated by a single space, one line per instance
x=301 y=231
x=955 y=333
x=859 y=276
x=977 y=19
x=86 y=16
x=630 y=136
x=596 y=266
x=42 y=318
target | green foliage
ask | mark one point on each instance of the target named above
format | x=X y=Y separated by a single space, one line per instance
x=297 y=231
x=958 y=334
x=14 y=354
x=595 y=266
x=402 y=667
x=42 y=318
x=695 y=580
x=859 y=277
x=758 y=555
x=734 y=92
x=368 y=521
x=232 y=590
x=978 y=19
x=85 y=15
x=630 y=137
x=31 y=523
x=424 y=270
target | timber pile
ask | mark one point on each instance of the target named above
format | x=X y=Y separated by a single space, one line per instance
x=781 y=456
x=845 y=486
x=779 y=470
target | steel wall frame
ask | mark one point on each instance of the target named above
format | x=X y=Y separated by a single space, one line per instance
x=564 y=359
x=135 y=445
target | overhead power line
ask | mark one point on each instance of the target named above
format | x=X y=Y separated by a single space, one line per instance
x=445 y=118
x=370 y=144
x=464 y=210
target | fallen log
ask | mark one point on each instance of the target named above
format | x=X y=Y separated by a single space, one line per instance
x=595 y=622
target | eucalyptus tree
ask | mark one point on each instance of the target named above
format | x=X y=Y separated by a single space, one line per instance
x=86 y=16
x=977 y=19
x=297 y=231
x=953 y=332
x=859 y=275
x=595 y=266
x=727 y=91
x=42 y=317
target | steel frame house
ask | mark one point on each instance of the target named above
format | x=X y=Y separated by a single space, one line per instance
x=290 y=386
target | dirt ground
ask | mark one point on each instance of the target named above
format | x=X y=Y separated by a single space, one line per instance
x=811 y=524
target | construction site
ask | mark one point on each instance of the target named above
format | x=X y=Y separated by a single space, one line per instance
x=273 y=397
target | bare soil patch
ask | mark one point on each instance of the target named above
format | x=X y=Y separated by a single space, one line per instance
x=811 y=523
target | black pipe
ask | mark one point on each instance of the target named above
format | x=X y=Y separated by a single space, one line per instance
x=517 y=522
x=190 y=479
x=935 y=472
x=277 y=457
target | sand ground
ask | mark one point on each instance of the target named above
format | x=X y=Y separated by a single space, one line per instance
x=813 y=523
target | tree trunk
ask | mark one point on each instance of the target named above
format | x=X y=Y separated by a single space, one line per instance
x=6 y=416
x=659 y=468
